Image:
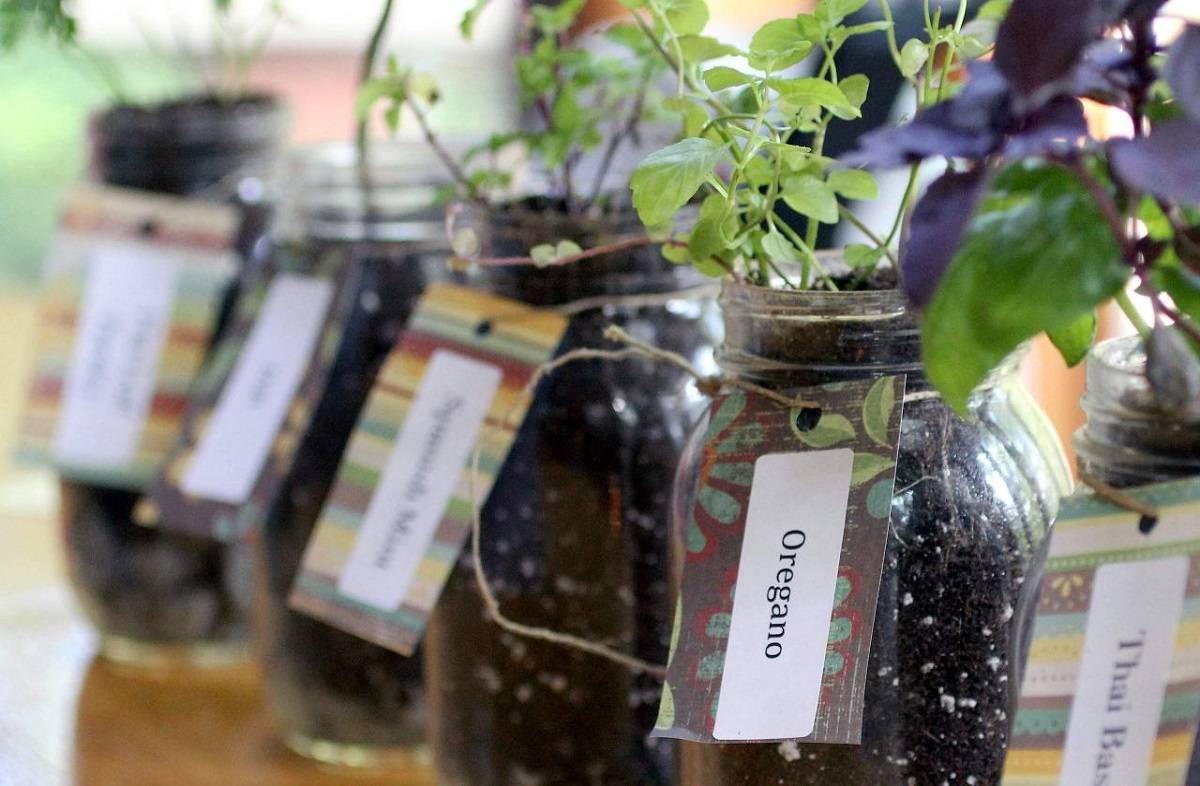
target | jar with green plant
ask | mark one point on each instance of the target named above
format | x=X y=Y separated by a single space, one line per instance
x=574 y=531
x=977 y=480
x=160 y=598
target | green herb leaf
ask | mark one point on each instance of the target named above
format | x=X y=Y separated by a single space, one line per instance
x=854 y=87
x=810 y=91
x=721 y=77
x=467 y=25
x=713 y=225
x=668 y=178
x=698 y=48
x=780 y=250
x=857 y=255
x=854 y=184
x=834 y=11
x=687 y=17
x=1037 y=257
x=811 y=196
x=913 y=57
x=1074 y=340
x=779 y=44
x=542 y=255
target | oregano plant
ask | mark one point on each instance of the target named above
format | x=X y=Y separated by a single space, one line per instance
x=1036 y=222
x=742 y=117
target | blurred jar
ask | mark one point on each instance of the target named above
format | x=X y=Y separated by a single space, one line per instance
x=1130 y=438
x=159 y=598
x=338 y=698
x=575 y=531
x=972 y=500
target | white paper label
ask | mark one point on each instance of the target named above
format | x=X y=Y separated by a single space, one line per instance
x=255 y=400
x=124 y=320
x=783 y=604
x=419 y=478
x=1127 y=651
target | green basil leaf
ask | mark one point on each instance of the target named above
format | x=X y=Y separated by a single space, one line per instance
x=810 y=91
x=722 y=77
x=779 y=44
x=1075 y=339
x=698 y=48
x=1037 y=257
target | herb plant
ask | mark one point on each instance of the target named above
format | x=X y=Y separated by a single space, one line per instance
x=582 y=103
x=740 y=124
x=1036 y=223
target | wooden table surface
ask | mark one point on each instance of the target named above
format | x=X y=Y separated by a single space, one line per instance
x=69 y=718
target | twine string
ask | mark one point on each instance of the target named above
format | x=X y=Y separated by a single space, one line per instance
x=1120 y=498
x=632 y=349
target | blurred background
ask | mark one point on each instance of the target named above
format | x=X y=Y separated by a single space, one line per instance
x=140 y=50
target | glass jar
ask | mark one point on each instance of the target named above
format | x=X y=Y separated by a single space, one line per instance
x=575 y=534
x=973 y=499
x=1130 y=439
x=159 y=598
x=338 y=698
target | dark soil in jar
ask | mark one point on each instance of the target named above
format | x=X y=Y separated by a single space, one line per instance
x=185 y=146
x=576 y=540
x=146 y=585
x=972 y=500
x=322 y=683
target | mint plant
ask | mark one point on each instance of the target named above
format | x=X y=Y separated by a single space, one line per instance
x=1036 y=222
x=740 y=119
x=583 y=104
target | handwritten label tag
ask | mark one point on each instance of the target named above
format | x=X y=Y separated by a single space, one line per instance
x=257 y=396
x=781 y=577
x=133 y=286
x=394 y=524
x=1110 y=694
x=252 y=406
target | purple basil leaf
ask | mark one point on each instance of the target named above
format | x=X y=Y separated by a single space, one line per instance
x=1164 y=164
x=969 y=126
x=1183 y=71
x=1113 y=11
x=938 y=224
x=1040 y=41
x=1106 y=73
x=1056 y=125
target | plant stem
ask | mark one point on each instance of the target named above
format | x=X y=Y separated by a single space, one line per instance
x=858 y=224
x=367 y=68
x=589 y=253
x=456 y=171
x=1132 y=314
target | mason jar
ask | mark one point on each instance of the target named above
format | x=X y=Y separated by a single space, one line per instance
x=973 y=498
x=159 y=598
x=338 y=698
x=574 y=533
x=1132 y=439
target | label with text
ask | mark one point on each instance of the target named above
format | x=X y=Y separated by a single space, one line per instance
x=393 y=526
x=421 y=473
x=131 y=291
x=787 y=576
x=252 y=406
x=123 y=324
x=784 y=550
x=1110 y=695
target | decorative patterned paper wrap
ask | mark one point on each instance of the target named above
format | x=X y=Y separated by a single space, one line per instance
x=492 y=330
x=863 y=416
x=195 y=236
x=202 y=517
x=1089 y=535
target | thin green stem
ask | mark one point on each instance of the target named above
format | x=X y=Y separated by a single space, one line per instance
x=367 y=68
x=858 y=224
x=1131 y=312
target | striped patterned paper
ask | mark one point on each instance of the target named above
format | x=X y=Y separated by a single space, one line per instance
x=1089 y=534
x=516 y=339
x=196 y=237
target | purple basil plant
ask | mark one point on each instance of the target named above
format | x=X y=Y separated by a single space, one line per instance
x=1035 y=223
